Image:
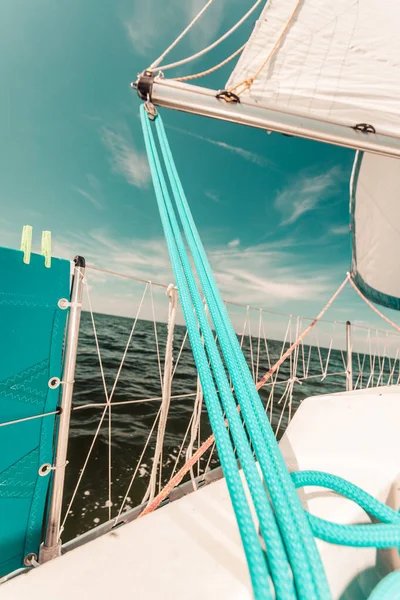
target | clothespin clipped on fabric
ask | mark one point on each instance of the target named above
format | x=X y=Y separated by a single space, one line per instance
x=26 y=243
x=46 y=248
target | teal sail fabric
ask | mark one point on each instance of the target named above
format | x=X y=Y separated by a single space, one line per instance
x=32 y=332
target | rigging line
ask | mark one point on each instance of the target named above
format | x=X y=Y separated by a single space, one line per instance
x=378 y=312
x=302 y=336
x=212 y=69
x=108 y=398
x=247 y=83
x=156 y=334
x=214 y=44
x=166 y=397
x=264 y=310
x=123 y=402
x=125 y=276
x=155 y=64
x=54 y=412
x=174 y=481
x=137 y=468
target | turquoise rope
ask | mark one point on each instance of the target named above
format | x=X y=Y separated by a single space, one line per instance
x=312 y=584
x=385 y=535
x=388 y=588
x=256 y=561
x=299 y=541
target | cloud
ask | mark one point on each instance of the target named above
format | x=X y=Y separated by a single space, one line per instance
x=125 y=159
x=89 y=197
x=147 y=23
x=340 y=230
x=213 y=197
x=260 y=276
x=233 y=243
x=305 y=193
x=242 y=152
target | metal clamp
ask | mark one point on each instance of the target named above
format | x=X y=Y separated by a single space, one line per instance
x=144 y=85
x=364 y=128
x=150 y=109
x=227 y=96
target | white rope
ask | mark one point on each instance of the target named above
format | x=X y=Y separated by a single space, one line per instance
x=182 y=445
x=6 y=423
x=214 y=44
x=244 y=327
x=125 y=276
x=139 y=462
x=195 y=427
x=155 y=64
x=251 y=350
x=212 y=69
x=166 y=399
x=156 y=334
x=123 y=402
x=258 y=345
x=179 y=353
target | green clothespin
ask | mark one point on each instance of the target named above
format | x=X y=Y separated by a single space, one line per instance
x=26 y=243
x=46 y=248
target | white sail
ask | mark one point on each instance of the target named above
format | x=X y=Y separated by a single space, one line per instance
x=338 y=61
x=375 y=214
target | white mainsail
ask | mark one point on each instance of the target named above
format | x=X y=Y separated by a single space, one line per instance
x=337 y=61
x=375 y=214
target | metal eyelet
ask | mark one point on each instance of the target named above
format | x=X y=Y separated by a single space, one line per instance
x=30 y=559
x=54 y=382
x=44 y=469
x=63 y=303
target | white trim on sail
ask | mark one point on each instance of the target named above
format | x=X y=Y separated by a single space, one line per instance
x=375 y=213
x=337 y=61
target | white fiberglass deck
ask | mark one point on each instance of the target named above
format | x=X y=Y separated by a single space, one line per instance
x=191 y=549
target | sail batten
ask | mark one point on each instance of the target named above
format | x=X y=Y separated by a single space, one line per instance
x=337 y=61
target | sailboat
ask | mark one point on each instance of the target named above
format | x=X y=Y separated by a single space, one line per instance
x=287 y=521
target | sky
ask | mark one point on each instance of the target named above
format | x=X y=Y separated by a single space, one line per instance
x=272 y=210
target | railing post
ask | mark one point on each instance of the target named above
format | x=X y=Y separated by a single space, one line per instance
x=349 y=356
x=51 y=548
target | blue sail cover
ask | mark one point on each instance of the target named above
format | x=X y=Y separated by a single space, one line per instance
x=32 y=332
x=375 y=221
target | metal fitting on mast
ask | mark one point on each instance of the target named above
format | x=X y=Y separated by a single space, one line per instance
x=144 y=87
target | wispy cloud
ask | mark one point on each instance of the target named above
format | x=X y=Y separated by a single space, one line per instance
x=305 y=193
x=259 y=275
x=340 y=230
x=125 y=159
x=242 y=152
x=233 y=243
x=89 y=197
x=147 y=23
x=256 y=275
x=214 y=197
x=95 y=191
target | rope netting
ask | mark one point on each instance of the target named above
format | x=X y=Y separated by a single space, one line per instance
x=138 y=414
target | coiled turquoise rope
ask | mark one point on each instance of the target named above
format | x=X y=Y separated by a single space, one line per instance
x=288 y=530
